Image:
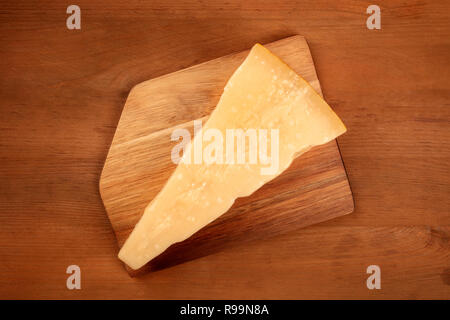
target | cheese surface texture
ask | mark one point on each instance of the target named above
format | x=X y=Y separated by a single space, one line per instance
x=263 y=93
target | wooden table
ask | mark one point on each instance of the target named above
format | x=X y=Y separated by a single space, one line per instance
x=62 y=92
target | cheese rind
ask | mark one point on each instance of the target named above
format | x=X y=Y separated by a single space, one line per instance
x=263 y=93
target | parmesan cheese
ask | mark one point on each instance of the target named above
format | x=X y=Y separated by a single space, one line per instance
x=263 y=93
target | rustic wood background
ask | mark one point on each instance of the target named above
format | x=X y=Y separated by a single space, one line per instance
x=62 y=92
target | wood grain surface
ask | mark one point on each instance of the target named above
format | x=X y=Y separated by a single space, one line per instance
x=314 y=188
x=62 y=92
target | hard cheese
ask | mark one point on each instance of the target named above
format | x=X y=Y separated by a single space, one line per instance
x=263 y=93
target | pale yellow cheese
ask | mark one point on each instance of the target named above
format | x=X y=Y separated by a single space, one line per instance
x=263 y=93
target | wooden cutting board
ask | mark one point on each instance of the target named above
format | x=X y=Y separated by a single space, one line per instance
x=314 y=189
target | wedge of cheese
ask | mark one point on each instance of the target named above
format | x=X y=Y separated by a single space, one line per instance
x=263 y=93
